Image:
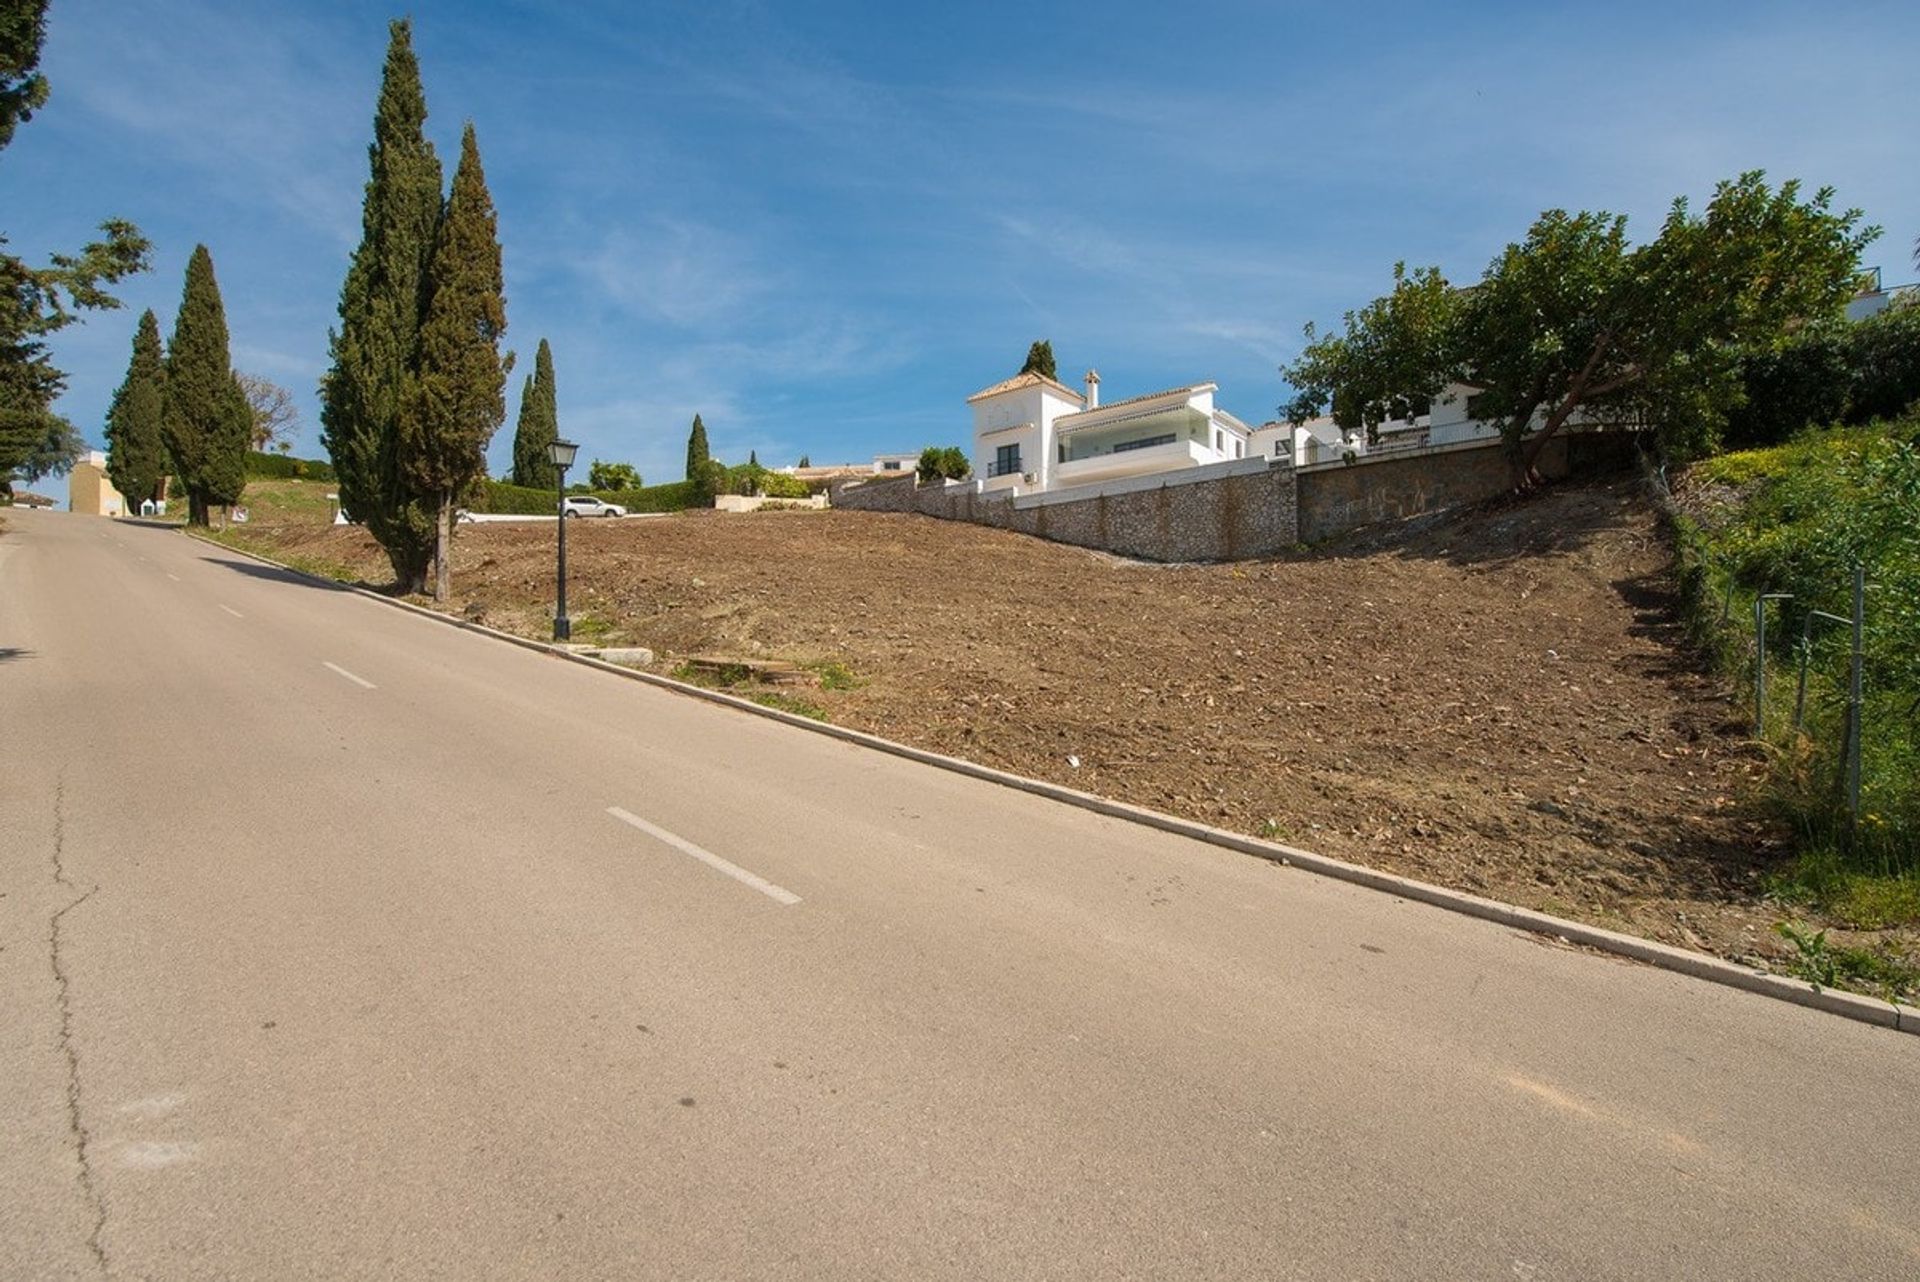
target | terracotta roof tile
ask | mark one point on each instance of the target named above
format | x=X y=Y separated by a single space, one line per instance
x=1028 y=379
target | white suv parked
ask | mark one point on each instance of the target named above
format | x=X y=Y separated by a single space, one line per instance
x=587 y=505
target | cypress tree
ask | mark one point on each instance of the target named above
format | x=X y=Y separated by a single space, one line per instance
x=697 y=454
x=1040 y=359
x=538 y=426
x=136 y=455
x=204 y=418
x=456 y=401
x=376 y=347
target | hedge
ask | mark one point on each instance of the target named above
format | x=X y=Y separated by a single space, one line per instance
x=283 y=467
x=1850 y=373
x=500 y=498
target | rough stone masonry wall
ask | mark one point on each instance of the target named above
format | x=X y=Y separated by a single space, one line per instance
x=1220 y=519
x=1249 y=514
x=1336 y=499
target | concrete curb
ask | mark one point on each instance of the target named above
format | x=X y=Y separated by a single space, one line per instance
x=1867 y=1010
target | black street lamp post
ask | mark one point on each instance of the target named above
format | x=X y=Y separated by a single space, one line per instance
x=560 y=454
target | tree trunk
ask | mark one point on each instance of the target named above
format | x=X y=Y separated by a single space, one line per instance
x=409 y=571
x=443 y=533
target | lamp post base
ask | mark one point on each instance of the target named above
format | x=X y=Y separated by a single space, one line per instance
x=562 y=628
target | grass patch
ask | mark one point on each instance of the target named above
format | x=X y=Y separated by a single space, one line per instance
x=585 y=627
x=791 y=703
x=1825 y=878
x=1809 y=511
x=738 y=679
x=1824 y=964
x=835 y=675
x=319 y=567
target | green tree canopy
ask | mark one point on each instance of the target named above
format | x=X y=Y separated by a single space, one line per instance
x=376 y=349
x=23 y=90
x=136 y=451
x=698 y=456
x=457 y=397
x=538 y=426
x=612 y=476
x=36 y=302
x=944 y=463
x=1574 y=318
x=1040 y=360
x=204 y=418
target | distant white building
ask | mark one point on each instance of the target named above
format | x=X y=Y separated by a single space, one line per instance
x=1032 y=433
x=894 y=464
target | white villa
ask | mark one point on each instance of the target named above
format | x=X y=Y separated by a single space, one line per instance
x=1032 y=433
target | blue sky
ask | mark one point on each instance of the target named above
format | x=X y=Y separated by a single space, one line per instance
x=823 y=225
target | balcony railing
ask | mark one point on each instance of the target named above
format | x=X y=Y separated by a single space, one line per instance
x=1008 y=468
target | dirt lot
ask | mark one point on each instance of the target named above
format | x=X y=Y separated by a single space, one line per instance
x=1494 y=701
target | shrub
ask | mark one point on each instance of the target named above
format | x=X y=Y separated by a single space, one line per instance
x=778 y=485
x=503 y=498
x=1843 y=373
x=948 y=463
x=281 y=467
x=1814 y=508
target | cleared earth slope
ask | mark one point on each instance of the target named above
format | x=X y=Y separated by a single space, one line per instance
x=1497 y=700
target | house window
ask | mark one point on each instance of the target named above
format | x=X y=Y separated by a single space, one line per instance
x=1145 y=443
x=1219 y=443
x=1477 y=406
x=891 y=465
x=1239 y=448
x=1006 y=461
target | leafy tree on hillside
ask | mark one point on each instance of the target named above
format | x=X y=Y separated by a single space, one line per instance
x=376 y=349
x=698 y=455
x=1040 y=360
x=948 y=464
x=538 y=426
x=457 y=399
x=609 y=477
x=1574 y=319
x=204 y=418
x=36 y=302
x=136 y=450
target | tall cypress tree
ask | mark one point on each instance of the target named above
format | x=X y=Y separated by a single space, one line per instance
x=456 y=401
x=1040 y=359
x=539 y=425
x=697 y=453
x=136 y=454
x=377 y=344
x=204 y=418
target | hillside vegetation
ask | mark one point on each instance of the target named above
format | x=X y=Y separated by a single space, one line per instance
x=1795 y=519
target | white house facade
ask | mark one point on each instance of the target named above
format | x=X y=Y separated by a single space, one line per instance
x=1032 y=433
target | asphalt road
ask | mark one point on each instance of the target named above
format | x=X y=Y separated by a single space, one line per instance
x=338 y=943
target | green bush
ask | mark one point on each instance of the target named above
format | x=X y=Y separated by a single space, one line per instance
x=675 y=496
x=1811 y=510
x=949 y=463
x=282 y=467
x=1850 y=373
x=502 y=498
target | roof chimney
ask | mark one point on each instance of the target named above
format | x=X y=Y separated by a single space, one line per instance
x=1093 y=389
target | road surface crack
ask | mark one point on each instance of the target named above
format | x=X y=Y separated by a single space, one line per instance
x=63 y=999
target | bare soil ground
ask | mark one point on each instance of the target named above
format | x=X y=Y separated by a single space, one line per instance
x=1497 y=701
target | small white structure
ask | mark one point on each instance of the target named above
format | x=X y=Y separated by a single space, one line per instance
x=893 y=464
x=1032 y=433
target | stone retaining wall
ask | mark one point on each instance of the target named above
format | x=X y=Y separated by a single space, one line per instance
x=1237 y=511
x=1222 y=518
